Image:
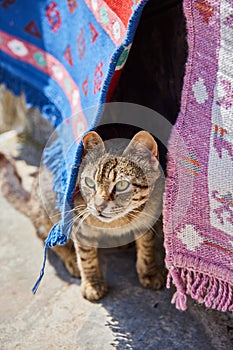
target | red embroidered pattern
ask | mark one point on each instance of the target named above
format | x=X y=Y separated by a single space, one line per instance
x=53 y=16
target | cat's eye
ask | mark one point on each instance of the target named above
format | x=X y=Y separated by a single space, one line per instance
x=89 y=182
x=122 y=185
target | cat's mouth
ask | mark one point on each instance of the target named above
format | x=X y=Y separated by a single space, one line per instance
x=108 y=217
x=105 y=218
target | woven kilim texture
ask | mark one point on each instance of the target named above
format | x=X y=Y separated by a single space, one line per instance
x=198 y=205
x=66 y=56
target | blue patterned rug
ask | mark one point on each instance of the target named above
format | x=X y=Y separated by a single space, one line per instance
x=65 y=56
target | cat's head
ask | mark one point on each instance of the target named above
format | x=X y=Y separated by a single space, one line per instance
x=116 y=182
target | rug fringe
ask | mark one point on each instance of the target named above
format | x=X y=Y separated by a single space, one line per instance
x=210 y=291
x=33 y=96
x=54 y=160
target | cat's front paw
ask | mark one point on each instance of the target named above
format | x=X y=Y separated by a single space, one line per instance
x=153 y=281
x=94 y=290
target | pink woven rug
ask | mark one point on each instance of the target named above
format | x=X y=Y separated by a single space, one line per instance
x=199 y=192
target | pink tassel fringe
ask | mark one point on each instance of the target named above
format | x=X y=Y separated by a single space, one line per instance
x=210 y=291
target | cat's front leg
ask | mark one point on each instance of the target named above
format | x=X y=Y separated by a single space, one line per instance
x=92 y=282
x=68 y=256
x=150 y=276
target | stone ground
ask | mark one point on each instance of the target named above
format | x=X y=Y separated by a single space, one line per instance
x=57 y=317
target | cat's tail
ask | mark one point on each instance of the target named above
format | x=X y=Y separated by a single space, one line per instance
x=11 y=185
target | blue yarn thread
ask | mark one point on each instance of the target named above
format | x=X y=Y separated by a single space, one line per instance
x=55 y=237
x=36 y=285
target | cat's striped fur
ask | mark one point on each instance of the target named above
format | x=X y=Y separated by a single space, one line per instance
x=111 y=215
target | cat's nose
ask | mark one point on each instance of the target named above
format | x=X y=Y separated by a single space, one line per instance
x=100 y=202
x=100 y=206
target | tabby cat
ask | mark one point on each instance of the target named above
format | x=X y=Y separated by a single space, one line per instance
x=118 y=199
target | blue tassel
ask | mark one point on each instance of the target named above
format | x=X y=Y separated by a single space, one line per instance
x=36 y=285
x=55 y=237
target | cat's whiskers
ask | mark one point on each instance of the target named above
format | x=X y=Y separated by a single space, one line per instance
x=84 y=217
x=143 y=213
x=147 y=226
x=80 y=215
x=74 y=219
x=116 y=210
x=55 y=215
x=151 y=226
x=68 y=211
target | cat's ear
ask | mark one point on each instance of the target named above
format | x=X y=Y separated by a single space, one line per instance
x=141 y=140
x=92 y=140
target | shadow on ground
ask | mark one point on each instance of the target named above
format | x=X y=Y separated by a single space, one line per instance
x=145 y=319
